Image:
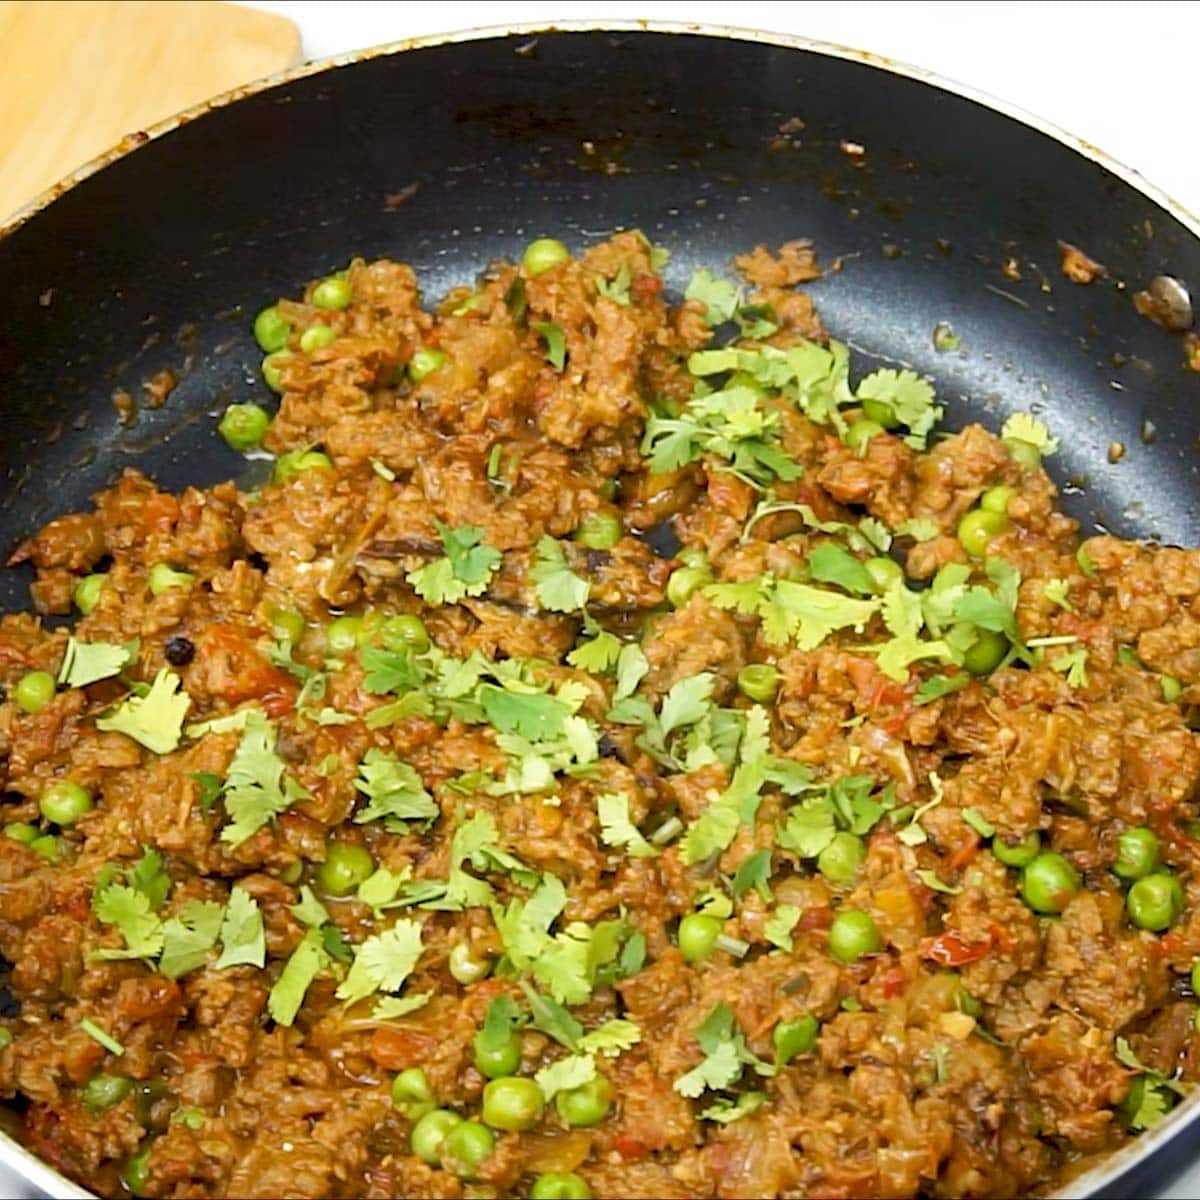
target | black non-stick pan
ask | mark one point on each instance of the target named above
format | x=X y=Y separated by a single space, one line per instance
x=937 y=208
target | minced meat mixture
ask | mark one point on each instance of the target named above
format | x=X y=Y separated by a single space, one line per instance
x=617 y=753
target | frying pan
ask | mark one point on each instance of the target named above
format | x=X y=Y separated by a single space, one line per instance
x=447 y=153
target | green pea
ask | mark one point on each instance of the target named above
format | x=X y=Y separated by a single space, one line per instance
x=698 y=933
x=1196 y=977
x=271 y=330
x=136 y=1172
x=684 y=583
x=560 y=1185
x=978 y=527
x=272 y=370
x=599 y=531
x=163 y=577
x=1154 y=902
x=295 y=461
x=1024 y=454
x=103 y=1092
x=345 y=867
x=512 y=1103
x=466 y=966
x=759 y=682
x=467 y=1146
x=46 y=847
x=405 y=630
x=1048 y=883
x=860 y=433
x=243 y=425
x=425 y=361
x=34 y=691
x=317 y=337
x=494 y=1060
x=292 y=872
x=587 y=1104
x=986 y=652
x=64 y=802
x=884 y=572
x=996 y=499
x=795 y=1037
x=22 y=831
x=428 y=1137
x=840 y=860
x=542 y=254
x=412 y=1095
x=332 y=292
x=287 y=625
x=87 y=593
x=1137 y=853
x=342 y=634
x=1171 y=688
x=694 y=556
x=853 y=934
x=966 y=1003
x=1017 y=854
x=881 y=413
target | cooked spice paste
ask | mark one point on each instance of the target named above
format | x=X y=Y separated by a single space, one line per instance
x=617 y=754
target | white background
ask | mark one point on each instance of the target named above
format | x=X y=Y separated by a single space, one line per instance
x=1119 y=75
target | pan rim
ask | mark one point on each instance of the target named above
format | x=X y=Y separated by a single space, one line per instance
x=35 y=1171
x=135 y=140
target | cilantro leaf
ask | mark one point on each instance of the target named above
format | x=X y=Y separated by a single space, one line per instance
x=725 y=1054
x=394 y=790
x=1058 y=591
x=130 y=911
x=388 y=1008
x=155 y=719
x=909 y=397
x=383 y=962
x=556 y=344
x=726 y=1111
x=306 y=962
x=256 y=788
x=564 y=1074
x=831 y=563
x=686 y=702
x=387 y=670
x=243 y=939
x=210 y=785
x=795 y=611
x=1074 y=666
x=87 y=662
x=1023 y=427
x=937 y=686
x=777 y=928
x=978 y=822
x=464 y=570
x=559 y=589
x=616 y=828
x=808 y=827
x=934 y=883
x=903 y=616
x=552 y=1018
x=611 y=1038
x=148 y=877
x=536 y=715
x=632 y=668
x=310 y=911
x=920 y=529
x=754 y=871
x=500 y=1021
x=599 y=654
x=189 y=936
x=720 y=298
x=616 y=289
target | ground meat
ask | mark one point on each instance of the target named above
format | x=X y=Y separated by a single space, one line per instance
x=457 y=762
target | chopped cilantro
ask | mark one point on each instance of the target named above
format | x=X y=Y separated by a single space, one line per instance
x=600 y=653
x=383 y=962
x=1074 y=666
x=904 y=617
x=937 y=686
x=211 y=786
x=754 y=871
x=564 y=1074
x=913 y=834
x=155 y=719
x=1058 y=591
x=935 y=884
x=616 y=827
x=556 y=344
x=464 y=570
x=243 y=939
x=808 y=828
x=793 y=611
x=552 y=1018
x=720 y=297
x=97 y=1034
x=616 y=289
x=189 y=936
x=559 y=589
x=388 y=670
x=611 y=1038
x=910 y=398
x=978 y=822
x=779 y=925
x=306 y=962
x=1022 y=427
x=725 y=1055
x=727 y=1111
x=256 y=788
x=148 y=877
x=394 y=792
x=388 y=1008
x=87 y=662
x=920 y=529
x=131 y=912
x=831 y=563
x=309 y=911
x=534 y=715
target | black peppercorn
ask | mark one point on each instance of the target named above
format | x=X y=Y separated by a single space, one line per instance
x=179 y=651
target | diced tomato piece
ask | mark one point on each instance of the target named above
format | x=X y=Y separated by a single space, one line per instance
x=159 y=513
x=629 y=1148
x=397 y=1049
x=950 y=950
x=893 y=981
x=815 y=918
